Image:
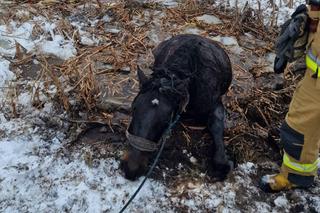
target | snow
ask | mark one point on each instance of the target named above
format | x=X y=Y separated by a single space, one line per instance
x=5 y=74
x=248 y=168
x=59 y=47
x=49 y=43
x=34 y=177
x=112 y=29
x=106 y=18
x=85 y=37
x=226 y=40
x=38 y=174
x=15 y=33
x=315 y=203
x=209 y=19
x=262 y=207
x=168 y=3
x=24 y=99
x=87 y=41
x=283 y=12
x=281 y=201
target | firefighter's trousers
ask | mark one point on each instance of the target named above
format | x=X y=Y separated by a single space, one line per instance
x=300 y=133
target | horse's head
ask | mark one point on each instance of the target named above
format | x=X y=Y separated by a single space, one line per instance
x=152 y=111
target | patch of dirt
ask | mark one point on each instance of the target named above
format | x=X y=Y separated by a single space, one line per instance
x=188 y=149
x=29 y=67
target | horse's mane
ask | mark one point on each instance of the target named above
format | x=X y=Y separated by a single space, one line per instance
x=165 y=81
x=168 y=84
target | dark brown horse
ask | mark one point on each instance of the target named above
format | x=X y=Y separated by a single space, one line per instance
x=190 y=74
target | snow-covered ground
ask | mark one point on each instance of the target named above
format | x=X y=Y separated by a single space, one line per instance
x=280 y=8
x=37 y=173
x=36 y=177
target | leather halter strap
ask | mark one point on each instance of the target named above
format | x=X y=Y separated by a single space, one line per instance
x=145 y=145
x=142 y=144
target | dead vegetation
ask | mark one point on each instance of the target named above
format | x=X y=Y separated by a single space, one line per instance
x=107 y=69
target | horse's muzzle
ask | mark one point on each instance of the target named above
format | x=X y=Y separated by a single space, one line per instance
x=133 y=164
x=131 y=174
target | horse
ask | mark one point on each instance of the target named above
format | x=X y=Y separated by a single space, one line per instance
x=190 y=74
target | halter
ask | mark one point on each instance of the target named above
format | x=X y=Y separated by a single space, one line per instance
x=145 y=145
x=142 y=144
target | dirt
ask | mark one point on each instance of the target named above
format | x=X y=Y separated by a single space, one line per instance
x=184 y=143
x=180 y=174
x=29 y=68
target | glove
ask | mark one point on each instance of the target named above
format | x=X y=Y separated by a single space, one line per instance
x=292 y=40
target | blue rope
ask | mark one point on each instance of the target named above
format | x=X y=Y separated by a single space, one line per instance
x=163 y=141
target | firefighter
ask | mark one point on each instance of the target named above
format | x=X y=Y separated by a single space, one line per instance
x=300 y=134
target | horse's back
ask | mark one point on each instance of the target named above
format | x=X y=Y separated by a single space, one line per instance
x=192 y=54
x=200 y=59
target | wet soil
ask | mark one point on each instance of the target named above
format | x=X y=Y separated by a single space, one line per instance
x=188 y=148
x=29 y=68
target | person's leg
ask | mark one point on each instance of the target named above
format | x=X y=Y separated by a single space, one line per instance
x=300 y=137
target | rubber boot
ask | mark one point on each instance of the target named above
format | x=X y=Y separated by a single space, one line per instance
x=275 y=183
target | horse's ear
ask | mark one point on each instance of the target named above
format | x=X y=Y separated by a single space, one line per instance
x=141 y=76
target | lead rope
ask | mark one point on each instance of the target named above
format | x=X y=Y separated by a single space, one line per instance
x=163 y=141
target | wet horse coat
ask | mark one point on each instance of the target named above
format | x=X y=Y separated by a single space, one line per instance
x=190 y=74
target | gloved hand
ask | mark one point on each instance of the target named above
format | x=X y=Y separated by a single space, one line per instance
x=291 y=30
x=292 y=40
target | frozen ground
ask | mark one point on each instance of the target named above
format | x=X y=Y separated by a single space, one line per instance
x=38 y=173
x=267 y=7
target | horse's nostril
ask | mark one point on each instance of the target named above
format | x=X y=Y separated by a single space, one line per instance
x=129 y=173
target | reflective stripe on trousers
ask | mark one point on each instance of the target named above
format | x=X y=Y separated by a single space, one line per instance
x=299 y=167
